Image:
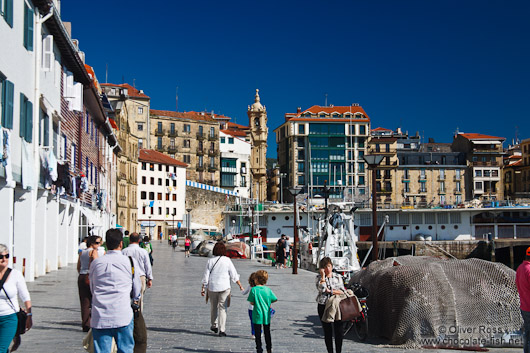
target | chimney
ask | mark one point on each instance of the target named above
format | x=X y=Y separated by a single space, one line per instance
x=299 y=109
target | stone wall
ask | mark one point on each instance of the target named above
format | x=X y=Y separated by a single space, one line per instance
x=207 y=206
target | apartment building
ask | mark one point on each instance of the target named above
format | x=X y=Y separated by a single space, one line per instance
x=325 y=144
x=190 y=137
x=484 y=156
x=383 y=142
x=161 y=193
x=55 y=176
x=235 y=162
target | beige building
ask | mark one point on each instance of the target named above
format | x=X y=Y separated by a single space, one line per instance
x=383 y=142
x=257 y=116
x=189 y=137
x=484 y=155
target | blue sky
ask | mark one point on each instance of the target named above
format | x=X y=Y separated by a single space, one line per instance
x=427 y=66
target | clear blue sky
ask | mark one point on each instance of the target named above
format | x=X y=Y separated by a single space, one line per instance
x=427 y=66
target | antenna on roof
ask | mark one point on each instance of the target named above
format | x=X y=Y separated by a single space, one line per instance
x=106 y=73
x=134 y=82
x=122 y=78
x=177 y=100
x=516 y=133
x=326 y=100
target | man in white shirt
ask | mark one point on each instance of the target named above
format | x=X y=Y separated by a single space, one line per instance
x=144 y=265
x=112 y=284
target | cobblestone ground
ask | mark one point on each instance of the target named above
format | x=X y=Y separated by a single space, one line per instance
x=178 y=318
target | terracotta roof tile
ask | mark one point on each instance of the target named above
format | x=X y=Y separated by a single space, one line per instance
x=236 y=133
x=183 y=115
x=133 y=92
x=475 y=136
x=238 y=126
x=157 y=157
x=316 y=109
x=380 y=129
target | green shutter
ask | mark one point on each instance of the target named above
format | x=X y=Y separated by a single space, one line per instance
x=8 y=12
x=29 y=121
x=28 y=28
x=7 y=117
x=22 y=115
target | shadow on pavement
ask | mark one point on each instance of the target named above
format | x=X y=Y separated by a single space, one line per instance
x=179 y=330
x=185 y=349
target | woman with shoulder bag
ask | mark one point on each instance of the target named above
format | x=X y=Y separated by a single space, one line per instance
x=13 y=285
x=83 y=264
x=216 y=280
x=329 y=283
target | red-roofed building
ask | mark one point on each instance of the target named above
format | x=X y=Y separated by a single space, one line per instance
x=330 y=139
x=516 y=172
x=161 y=193
x=484 y=155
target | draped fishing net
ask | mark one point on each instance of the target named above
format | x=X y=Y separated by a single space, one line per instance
x=419 y=301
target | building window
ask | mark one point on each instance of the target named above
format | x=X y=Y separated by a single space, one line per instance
x=144 y=180
x=423 y=187
x=301 y=180
x=160 y=167
x=167 y=197
x=406 y=187
x=174 y=197
x=159 y=196
x=478 y=185
x=28 y=27
x=201 y=161
x=160 y=210
x=300 y=167
x=140 y=127
x=187 y=158
x=152 y=181
x=174 y=183
x=478 y=173
x=144 y=166
x=151 y=196
x=361 y=180
x=301 y=129
x=143 y=195
x=362 y=129
x=442 y=186
x=458 y=187
x=160 y=181
x=140 y=110
x=6 y=9
x=230 y=140
x=222 y=140
x=187 y=128
x=159 y=142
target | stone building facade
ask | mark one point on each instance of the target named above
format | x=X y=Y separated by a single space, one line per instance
x=189 y=137
x=257 y=116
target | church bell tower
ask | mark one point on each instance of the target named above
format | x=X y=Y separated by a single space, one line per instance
x=257 y=116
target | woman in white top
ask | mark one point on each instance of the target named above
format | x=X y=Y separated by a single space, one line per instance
x=14 y=286
x=217 y=275
x=83 y=263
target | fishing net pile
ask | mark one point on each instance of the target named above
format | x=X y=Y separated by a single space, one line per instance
x=430 y=302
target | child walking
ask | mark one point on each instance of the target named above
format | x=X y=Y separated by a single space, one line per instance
x=261 y=298
x=252 y=284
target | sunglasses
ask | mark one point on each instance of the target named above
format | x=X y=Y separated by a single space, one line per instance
x=97 y=242
x=4 y=256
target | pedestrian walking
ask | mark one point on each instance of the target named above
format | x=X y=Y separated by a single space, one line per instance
x=329 y=283
x=287 y=251
x=216 y=286
x=280 y=253
x=144 y=269
x=187 y=245
x=174 y=241
x=261 y=297
x=251 y=284
x=522 y=280
x=148 y=247
x=83 y=245
x=83 y=284
x=12 y=287
x=113 y=284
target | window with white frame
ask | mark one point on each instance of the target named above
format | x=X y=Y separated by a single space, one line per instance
x=140 y=110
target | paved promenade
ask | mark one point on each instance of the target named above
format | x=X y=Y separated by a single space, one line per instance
x=178 y=318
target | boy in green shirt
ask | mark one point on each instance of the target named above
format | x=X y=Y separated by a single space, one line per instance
x=262 y=297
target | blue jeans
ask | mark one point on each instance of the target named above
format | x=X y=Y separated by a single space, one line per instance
x=526 y=334
x=122 y=335
x=8 y=328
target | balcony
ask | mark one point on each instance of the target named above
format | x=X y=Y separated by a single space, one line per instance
x=200 y=152
x=212 y=169
x=200 y=168
x=160 y=148
x=159 y=132
x=201 y=136
x=374 y=151
x=173 y=133
x=172 y=149
x=213 y=153
x=259 y=171
x=213 y=137
x=485 y=164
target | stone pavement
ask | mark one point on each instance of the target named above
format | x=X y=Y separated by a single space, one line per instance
x=178 y=318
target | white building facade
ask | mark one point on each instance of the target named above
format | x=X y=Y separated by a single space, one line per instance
x=161 y=193
x=235 y=163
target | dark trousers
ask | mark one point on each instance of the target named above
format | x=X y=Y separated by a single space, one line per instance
x=140 y=334
x=267 y=332
x=85 y=297
x=329 y=327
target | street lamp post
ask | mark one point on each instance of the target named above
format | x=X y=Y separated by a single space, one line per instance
x=173 y=223
x=373 y=161
x=149 y=227
x=294 y=192
x=188 y=220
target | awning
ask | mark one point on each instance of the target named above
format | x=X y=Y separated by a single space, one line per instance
x=148 y=224
x=113 y=123
x=490 y=142
x=92 y=217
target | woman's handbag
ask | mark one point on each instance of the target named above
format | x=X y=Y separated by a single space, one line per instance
x=350 y=308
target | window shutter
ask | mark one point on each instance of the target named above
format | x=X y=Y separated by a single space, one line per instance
x=8 y=12
x=22 y=127
x=9 y=97
x=47 y=53
x=28 y=28
x=46 y=132
x=29 y=121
